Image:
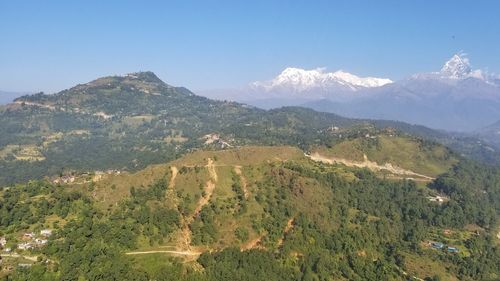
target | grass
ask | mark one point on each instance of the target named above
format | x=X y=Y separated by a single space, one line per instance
x=152 y=262
x=29 y=153
x=109 y=190
x=113 y=188
x=138 y=120
x=242 y=156
x=454 y=238
x=402 y=151
x=417 y=265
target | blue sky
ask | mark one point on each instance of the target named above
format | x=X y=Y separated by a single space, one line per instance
x=52 y=45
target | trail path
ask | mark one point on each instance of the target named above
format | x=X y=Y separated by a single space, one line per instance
x=252 y=244
x=175 y=171
x=183 y=245
x=170 y=194
x=237 y=170
x=374 y=166
x=209 y=188
x=15 y=255
x=179 y=253
x=288 y=227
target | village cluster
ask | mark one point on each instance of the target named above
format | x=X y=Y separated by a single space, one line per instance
x=30 y=240
x=84 y=177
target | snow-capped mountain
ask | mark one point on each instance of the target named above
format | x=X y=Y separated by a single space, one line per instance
x=457 y=67
x=300 y=80
x=295 y=86
x=456 y=98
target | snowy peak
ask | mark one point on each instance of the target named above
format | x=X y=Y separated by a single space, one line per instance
x=367 y=82
x=457 y=67
x=298 y=80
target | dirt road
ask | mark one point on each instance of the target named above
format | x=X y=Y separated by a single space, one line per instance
x=177 y=253
x=374 y=166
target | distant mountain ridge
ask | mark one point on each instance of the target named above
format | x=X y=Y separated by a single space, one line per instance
x=298 y=80
x=456 y=98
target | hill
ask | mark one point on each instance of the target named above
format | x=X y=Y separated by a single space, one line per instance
x=128 y=122
x=491 y=134
x=255 y=213
x=413 y=156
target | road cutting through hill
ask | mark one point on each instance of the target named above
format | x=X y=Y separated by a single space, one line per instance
x=374 y=166
x=179 y=253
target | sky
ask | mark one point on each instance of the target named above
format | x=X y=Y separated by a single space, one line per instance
x=53 y=45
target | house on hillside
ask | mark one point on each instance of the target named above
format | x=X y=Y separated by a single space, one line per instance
x=437 y=198
x=41 y=242
x=437 y=245
x=46 y=232
x=25 y=246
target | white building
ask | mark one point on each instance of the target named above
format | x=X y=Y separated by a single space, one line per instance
x=46 y=232
x=25 y=246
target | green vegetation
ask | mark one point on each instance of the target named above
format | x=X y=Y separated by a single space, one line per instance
x=130 y=122
x=300 y=220
x=407 y=152
x=232 y=195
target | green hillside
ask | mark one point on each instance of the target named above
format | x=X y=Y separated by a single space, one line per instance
x=139 y=180
x=406 y=152
x=129 y=122
x=254 y=213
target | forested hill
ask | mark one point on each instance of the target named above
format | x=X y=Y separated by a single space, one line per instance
x=254 y=213
x=128 y=122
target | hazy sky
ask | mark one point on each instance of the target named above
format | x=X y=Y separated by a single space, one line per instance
x=52 y=45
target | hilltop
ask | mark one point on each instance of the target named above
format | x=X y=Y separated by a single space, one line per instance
x=128 y=122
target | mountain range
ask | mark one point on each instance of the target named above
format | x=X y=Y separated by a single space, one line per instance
x=456 y=98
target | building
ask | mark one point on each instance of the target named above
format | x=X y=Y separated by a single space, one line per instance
x=437 y=245
x=41 y=242
x=46 y=232
x=3 y=241
x=452 y=250
x=439 y=199
x=25 y=246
